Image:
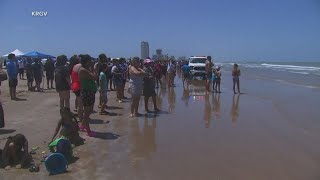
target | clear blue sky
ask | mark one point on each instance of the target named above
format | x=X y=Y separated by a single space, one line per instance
x=228 y=29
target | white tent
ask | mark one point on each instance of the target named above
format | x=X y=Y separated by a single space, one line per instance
x=16 y=52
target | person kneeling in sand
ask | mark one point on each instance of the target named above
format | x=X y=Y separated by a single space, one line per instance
x=15 y=152
x=69 y=122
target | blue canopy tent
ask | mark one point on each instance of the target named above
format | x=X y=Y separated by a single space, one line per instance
x=36 y=54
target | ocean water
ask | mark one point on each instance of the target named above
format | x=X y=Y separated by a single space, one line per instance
x=306 y=74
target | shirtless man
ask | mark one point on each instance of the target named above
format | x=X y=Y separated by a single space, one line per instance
x=209 y=65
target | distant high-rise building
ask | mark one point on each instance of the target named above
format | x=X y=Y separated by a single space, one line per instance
x=159 y=51
x=144 y=50
x=159 y=54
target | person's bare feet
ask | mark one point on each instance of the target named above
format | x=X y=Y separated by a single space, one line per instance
x=18 y=166
x=7 y=168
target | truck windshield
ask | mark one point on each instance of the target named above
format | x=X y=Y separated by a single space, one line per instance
x=198 y=60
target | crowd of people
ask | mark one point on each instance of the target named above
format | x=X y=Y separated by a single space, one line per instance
x=85 y=76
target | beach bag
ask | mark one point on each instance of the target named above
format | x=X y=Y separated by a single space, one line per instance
x=3 y=75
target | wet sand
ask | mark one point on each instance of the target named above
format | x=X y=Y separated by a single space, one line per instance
x=269 y=132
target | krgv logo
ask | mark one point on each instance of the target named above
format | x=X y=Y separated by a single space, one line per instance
x=39 y=13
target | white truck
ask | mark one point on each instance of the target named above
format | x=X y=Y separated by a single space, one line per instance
x=197 y=66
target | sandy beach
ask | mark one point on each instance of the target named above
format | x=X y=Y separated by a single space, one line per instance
x=269 y=132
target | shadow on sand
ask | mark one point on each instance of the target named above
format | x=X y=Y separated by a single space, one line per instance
x=107 y=136
x=97 y=121
x=6 y=131
x=159 y=112
x=73 y=160
x=109 y=114
x=20 y=99
x=113 y=107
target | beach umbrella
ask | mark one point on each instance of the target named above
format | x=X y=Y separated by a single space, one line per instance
x=36 y=54
x=16 y=52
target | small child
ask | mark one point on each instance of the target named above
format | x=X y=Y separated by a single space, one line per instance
x=69 y=122
x=218 y=79
x=15 y=152
x=62 y=145
x=103 y=88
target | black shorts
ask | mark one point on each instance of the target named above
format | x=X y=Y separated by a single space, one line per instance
x=77 y=93
x=148 y=92
x=13 y=82
x=21 y=71
x=50 y=76
x=30 y=77
x=38 y=79
x=186 y=76
x=209 y=76
x=87 y=97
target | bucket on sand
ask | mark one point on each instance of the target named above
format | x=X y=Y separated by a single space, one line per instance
x=56 y=163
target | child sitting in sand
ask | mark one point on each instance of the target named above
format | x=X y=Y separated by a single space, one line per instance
x=62 y=144
x=15 y=152
x=69 y=123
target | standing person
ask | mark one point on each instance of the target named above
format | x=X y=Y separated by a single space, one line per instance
x=3 y=77
x=37 y=73
x=158 y=73
x=73 y=61
x=218 y=79
x=88 y=90
x=97 y=68
x=103 y=88
x=49 y=68
x=135 y=85
x=21 y=69
x=208 y=68
x=12 y=71
x=75 y=87
x=164 y=69
x=214 y=78
x=124 y=72
x=109 y=74
x=117 y=79
x=63 y=82
x=235 y=74
x=149 y=85
x=171 y=73
x=186 y=73
x=29 y=73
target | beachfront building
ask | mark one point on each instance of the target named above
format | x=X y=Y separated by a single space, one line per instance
x=144 y=50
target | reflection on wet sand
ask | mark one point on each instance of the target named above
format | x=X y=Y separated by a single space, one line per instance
x=171 y=99
x=144 y=140
x=185 y=96
x=207 y=111
x=216 y=108
x=235 y=108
